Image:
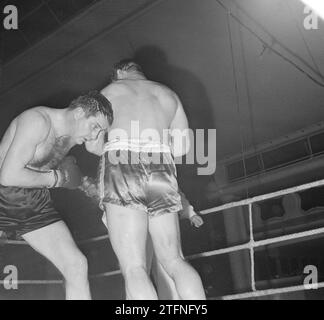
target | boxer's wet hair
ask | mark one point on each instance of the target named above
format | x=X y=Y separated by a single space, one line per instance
x=125 y=65
x=93 y=103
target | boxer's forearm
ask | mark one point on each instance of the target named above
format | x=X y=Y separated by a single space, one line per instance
x=179 y=130
x=27 y=178
x=188 y=211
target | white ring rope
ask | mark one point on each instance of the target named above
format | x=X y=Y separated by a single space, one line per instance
x=269 y=196
x=257 y=244
x=21 y=242
x=50 y=282
x=106 y=274
x=271 y=292
x=32 y=282
x=251 y=245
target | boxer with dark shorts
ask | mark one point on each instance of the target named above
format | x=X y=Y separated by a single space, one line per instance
x=26 y=210
x=33 y=159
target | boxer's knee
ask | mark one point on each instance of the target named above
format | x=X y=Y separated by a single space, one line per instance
x=134 y=271
x=172 y=264
x=135 y=278
x=75 y=267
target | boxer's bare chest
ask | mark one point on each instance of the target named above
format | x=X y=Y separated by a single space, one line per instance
x=50 y=153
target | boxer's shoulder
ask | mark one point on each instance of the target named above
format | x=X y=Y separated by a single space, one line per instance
x=115 y=89
x=36 y=117
x=36 y=120
x=38 y=114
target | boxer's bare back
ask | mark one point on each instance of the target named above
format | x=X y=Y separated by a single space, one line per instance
x=150 y=104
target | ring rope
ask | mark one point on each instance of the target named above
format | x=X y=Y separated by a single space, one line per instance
x=49 y=282
x=270 y=292
x=252 y=244
x=268 y=196
x=257 y=244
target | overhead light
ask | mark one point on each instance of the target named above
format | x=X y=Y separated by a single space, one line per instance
x=316 y=5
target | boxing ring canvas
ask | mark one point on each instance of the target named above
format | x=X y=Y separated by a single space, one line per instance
x=253 y=71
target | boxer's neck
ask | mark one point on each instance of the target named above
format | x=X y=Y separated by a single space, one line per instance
x=64 y=123
x=133 y=76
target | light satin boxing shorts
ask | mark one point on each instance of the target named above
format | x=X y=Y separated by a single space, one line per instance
x=141 y=175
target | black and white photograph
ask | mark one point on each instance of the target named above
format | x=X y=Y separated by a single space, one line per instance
x=162 y=150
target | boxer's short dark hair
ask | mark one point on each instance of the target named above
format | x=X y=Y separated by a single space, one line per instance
x=125 y=65
x=93 y=103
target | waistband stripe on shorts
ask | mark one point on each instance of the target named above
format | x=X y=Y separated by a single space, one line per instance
x=137 y=146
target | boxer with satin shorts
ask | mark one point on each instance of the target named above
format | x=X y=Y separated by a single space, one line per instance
x=138 y=182
x=141 y=197
x=115 y=186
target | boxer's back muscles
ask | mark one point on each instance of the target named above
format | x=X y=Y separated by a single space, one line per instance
x=151 y=104
x=30 y=142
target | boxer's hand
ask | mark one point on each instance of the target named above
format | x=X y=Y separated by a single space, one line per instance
x=96 y=147
x=196 y=221
x=90 y=187
x=71 y=174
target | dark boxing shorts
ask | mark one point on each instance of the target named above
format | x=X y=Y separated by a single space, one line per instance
x=140 y=175
x=25 y=210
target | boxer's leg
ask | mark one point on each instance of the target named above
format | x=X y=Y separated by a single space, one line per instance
x=56 y=244
x=164 y=284
x=149 y=254
x=165 y=233
x=128 y=233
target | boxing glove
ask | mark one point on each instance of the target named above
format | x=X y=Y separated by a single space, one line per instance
x=70 y=174
x=90 y=187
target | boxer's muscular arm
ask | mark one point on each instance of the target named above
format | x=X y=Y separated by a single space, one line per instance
x=188 y=211
x=180 y=131
x=32 y=129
